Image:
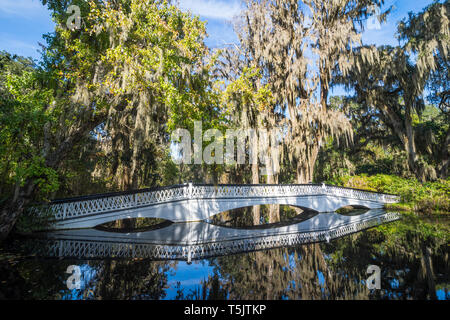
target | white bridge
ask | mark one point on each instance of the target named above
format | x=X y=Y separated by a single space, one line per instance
x=198 y=202
x=200 y=240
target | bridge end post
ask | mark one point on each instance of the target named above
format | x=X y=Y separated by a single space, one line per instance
x=190 y=190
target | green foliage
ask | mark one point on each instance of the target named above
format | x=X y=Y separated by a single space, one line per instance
x=429 y=197
x=24 y=111
x=390 y=84
x=29 y=221
x=44 y=177
x=139 y=69
x=413 y=232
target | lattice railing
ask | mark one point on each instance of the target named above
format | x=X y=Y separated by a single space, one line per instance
x=74 y=208
x=96 y=249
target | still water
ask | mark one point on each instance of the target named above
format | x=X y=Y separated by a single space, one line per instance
x=264 y=252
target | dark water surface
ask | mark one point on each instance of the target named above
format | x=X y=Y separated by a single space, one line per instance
x=250 y=253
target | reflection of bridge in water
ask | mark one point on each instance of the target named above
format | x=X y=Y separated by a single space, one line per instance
x=193 y=202
x=199 y=240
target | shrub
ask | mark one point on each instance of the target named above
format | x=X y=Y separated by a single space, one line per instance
x=429 y=197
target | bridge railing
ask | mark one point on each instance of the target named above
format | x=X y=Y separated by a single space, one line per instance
x=246 y=191
x=83 y=206
x=88 y=249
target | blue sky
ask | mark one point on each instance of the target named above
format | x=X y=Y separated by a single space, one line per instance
x=23 y=22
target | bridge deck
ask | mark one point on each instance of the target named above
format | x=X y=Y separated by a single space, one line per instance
x=199 y=240
x=201 y=197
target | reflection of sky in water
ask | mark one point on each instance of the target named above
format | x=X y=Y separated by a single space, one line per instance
x=394 y=284
x=321 y=278
x=186 y=280
x=87 y=284
x=442 y=295
x=189 y=276
x=292 y=262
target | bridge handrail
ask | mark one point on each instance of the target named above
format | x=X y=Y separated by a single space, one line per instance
x=95 y=204
x=120 y=193
x=112 y=194
x=100 y=249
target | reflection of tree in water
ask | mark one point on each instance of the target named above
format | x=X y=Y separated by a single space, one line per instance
x=211 y=289
x=131 y=279
x=114 y=279
x=275 y=274
x=134 y=225
x=256 y=215
x=28 y=279
x=412 y=267
x=413 y=260
x=128 y=280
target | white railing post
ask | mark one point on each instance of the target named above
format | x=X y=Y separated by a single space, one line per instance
x=190 y=190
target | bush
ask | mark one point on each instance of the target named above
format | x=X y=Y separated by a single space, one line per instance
x=30 y=221
x=429 y=197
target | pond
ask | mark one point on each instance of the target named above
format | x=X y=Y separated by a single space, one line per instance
x=267 y=252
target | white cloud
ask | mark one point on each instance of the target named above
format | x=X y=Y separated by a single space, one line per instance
x=216 y=9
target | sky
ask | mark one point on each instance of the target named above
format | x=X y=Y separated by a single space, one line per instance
x=23 y=22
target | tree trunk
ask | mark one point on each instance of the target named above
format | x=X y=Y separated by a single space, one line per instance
x=137 y=143
x=410 y=145
x=427 y=269
x=303 y=173
x=272 y=178
x=256 y=210
x=11 y=211
x=405 y=132
x=443 y=166
x=310 y=163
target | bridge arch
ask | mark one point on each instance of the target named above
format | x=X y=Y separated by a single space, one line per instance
x=317 y=203
x=224 y=206
x=243 y=217
x=185 y=203
x=133 y=225
x=352 y=209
